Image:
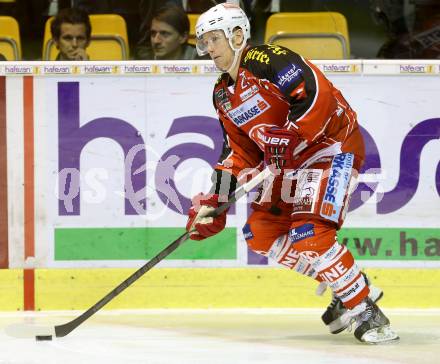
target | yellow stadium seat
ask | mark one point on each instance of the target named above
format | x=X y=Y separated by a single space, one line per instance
x=192 y=28
x=314 y=35
x=109 y=41
x=10 y=45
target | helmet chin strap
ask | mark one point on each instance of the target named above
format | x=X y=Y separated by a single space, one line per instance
x=237 y=53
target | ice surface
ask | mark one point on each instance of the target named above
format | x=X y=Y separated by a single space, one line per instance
x=217 y=337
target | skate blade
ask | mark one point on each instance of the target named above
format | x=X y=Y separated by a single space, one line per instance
x=339 y=325
x=343 y=322
x=381 y=335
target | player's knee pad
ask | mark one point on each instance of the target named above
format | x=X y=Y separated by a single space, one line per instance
x=278 y=249
x=283 y=252
x=304 y=242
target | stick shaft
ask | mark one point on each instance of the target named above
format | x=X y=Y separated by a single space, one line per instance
x=65 y=329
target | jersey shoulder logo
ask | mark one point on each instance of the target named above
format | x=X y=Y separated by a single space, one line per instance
x=287 y=76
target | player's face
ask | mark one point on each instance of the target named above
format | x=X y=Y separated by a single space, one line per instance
x=166 y=40
x=72 y=42
x=217 y=45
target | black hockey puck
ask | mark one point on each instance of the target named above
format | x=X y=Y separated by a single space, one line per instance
x=43 y=337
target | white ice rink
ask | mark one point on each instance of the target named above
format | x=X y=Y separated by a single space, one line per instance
x=217 y=337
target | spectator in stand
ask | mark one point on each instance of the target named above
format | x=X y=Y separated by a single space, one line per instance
x=71 y=32
x=147 y=9
x=128 y=9
x=169 y=33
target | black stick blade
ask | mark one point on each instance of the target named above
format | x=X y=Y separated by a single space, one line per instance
x=43 y=337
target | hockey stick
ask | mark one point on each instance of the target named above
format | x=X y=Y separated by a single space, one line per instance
x=46 y=333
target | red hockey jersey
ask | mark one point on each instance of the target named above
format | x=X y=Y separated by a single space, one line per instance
x=277 y=87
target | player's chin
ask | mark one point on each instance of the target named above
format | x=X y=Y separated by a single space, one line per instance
x=219 y=63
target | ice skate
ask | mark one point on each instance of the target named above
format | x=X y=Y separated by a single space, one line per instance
x=333 y=315
x=371 y=325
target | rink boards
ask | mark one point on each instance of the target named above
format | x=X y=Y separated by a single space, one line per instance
x=90 y=162
x=79 y=289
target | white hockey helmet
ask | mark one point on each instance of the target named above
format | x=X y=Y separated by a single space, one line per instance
x=225 y=16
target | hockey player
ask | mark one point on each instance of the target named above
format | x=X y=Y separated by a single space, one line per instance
x=277 y=108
